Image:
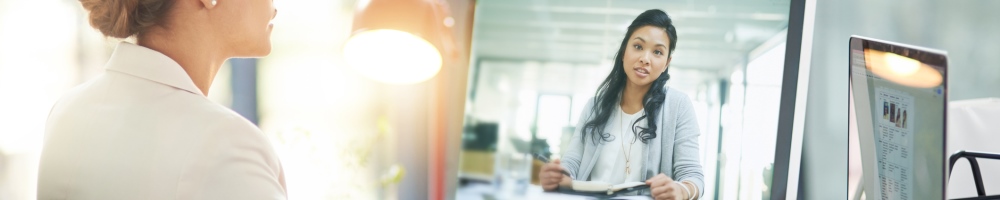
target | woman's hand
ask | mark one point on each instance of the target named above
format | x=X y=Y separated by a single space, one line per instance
x=664 y=188
x=551 y=177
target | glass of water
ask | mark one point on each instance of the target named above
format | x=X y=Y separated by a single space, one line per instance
x=512 y=168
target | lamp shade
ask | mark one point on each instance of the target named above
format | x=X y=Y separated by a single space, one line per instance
x=400 y=41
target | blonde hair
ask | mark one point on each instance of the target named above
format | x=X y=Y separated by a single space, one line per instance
x=125 y=18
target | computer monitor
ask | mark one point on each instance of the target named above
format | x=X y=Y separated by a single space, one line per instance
x=899 y=97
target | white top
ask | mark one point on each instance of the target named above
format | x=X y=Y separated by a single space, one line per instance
x=142 y=130
x=611 y=163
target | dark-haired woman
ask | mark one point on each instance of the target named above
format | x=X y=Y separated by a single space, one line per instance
x=144 y=129
x=636 y=129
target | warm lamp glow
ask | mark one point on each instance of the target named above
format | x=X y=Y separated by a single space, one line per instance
x=902 y=70
x=392 y=56
x=901 y=65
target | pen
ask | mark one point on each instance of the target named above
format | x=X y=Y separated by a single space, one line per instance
x=546 y=160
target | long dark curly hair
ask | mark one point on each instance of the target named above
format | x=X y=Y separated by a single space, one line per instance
x=609 y=92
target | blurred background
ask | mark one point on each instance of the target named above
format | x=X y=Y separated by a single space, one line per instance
x=536 y=63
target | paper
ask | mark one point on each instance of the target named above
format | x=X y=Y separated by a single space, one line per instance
x=639 y=197
x=895 y=143
x=597 y=186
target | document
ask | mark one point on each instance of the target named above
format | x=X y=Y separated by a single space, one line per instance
x=596 y=186
x=894 y=144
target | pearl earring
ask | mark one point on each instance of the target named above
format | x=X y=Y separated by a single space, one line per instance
x=213 y=2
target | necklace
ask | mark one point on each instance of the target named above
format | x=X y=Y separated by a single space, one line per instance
x=628 y=152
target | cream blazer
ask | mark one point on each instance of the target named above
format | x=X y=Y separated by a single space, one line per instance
x=142 y=130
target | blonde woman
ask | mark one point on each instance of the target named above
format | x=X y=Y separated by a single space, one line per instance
x=144 y=128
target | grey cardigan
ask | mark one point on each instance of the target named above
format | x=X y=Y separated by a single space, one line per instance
x=674 y=151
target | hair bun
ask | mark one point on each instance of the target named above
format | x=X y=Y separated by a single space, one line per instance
x=124 y=18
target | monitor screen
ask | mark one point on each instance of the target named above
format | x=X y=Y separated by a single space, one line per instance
x=900 y=99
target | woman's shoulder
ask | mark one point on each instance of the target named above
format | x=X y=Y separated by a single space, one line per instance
x=676 y=103
x=676 y=97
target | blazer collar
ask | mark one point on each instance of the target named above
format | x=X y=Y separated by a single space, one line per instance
x=152 y=65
